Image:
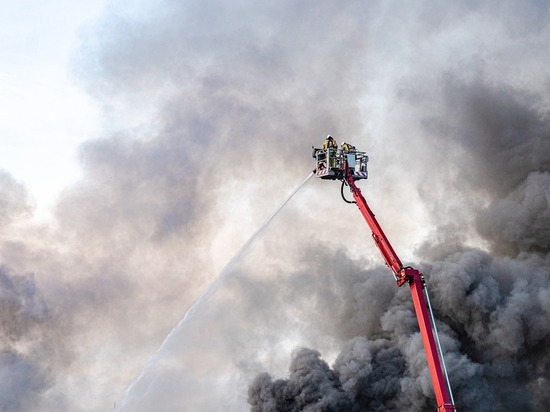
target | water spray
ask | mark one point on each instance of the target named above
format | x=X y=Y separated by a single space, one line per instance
x=207 y=293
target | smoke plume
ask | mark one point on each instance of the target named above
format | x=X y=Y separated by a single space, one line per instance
x=210 y=110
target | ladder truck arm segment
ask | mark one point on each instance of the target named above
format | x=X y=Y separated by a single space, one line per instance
x=402 y=275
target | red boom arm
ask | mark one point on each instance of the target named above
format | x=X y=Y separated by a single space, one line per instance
x=416 y=283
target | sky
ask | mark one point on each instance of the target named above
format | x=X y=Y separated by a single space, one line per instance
x=147 y=147
x=45 y=114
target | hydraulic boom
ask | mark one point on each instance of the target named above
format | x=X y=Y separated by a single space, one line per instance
x=417 y=287
x=349 y=165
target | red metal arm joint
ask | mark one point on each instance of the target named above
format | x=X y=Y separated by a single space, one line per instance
x=409 y=274
x=403 y=278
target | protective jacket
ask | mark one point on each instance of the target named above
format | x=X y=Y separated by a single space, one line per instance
x=346 y=147
x=329 y=143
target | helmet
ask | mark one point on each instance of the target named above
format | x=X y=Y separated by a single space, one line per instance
x=329 y=137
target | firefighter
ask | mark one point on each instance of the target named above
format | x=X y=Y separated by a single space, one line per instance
x=330 y=143
x=346 y=147
x=331 y=147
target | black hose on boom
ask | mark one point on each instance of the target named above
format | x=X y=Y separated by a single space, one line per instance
x=342 y=193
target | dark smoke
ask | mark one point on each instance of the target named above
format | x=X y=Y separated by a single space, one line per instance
x=311 y=386
x=493 y=324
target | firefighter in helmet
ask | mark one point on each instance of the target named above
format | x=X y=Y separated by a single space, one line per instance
x=330 y=143
x=331 y=147
x=346 y=147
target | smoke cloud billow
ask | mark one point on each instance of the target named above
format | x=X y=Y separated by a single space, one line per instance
x=28 y=352
x=492 y=325
x=311 y=386
x=210 y=110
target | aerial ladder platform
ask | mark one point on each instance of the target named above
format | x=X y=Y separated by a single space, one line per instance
x=350 y=165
